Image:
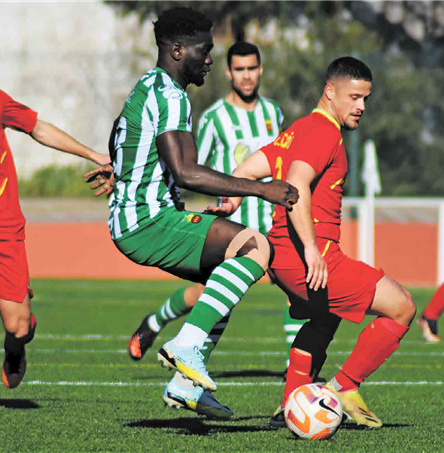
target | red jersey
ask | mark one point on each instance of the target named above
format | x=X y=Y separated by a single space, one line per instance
x=19 y=117
x=315 y=139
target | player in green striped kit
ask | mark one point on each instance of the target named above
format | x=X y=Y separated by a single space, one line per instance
x=153 y=154
x=229 y=131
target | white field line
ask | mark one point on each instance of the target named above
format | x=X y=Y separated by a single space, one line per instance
x=226 y=339
x=226 y=353
x=222 y=384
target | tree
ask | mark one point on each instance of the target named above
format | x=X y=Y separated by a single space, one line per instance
x=401 y=42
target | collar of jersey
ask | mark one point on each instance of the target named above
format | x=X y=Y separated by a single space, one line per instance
x=176 y=84
x=239 y=108
x=324 y=113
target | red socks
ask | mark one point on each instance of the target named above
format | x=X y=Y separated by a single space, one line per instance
x=436 y=305
x=377 y=342
x=298 y=372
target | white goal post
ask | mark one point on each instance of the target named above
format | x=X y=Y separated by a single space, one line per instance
x=428 y=210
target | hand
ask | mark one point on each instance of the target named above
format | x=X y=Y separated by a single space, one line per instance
x=104 y=180
x=317 y=275
x=281 y=193
x=225 y=209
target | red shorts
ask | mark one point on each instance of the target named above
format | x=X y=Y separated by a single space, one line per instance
x=14 y=273
x=350 y=288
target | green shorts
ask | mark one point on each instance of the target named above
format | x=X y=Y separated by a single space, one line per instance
x=173 y=242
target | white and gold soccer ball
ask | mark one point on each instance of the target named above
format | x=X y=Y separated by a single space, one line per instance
x=313 y=412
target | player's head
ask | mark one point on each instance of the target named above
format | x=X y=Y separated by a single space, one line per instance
x=348 y=84
x=244 y=69
x=185 y=41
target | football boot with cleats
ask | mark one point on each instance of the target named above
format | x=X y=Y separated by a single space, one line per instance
x=355 y=408
x=429 y=329
x=277 y=420
x=189 y=361
x=14 y=365
x=195 y=399
x=141 y=340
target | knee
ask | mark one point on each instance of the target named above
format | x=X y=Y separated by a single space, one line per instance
x=252 y=244
x=17 y=323
x=410 y=306
x=261 y=253
x=406 y=308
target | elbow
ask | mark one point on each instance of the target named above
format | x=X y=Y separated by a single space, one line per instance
x=40 y=132
x=36 y=133
x=187 y=176
x=182 y=179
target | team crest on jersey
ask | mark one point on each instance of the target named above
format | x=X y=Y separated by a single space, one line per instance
x=269 y=125
x=170 y=92
x=241 y=152
x=194 y=218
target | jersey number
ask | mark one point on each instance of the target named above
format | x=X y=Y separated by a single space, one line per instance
x=278 y=167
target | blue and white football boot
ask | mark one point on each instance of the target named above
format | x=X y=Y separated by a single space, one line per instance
x=189 y=361
x=195 y=399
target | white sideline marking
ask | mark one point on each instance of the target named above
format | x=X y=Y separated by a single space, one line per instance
x=222 y=384
x=226 y=339
x=232 y=353
x=48 y=336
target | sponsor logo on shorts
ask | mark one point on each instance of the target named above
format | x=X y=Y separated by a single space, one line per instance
x=194 y=218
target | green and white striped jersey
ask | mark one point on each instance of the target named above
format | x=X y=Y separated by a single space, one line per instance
x=227 y=135
x=143 y=184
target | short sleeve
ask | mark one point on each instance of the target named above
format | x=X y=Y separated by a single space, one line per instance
x=174 y=110
x=17 y=116
x=317 y=147
x=205 y=139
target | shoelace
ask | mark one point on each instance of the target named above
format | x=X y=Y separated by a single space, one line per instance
x=200 y=357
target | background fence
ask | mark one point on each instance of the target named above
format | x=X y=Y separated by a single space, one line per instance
x=70 y=239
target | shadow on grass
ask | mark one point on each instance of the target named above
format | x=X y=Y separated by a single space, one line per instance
x=19 y=404
x=356 y=427
x=198 y=426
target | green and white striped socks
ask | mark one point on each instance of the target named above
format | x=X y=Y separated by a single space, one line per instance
x=224 y=289
x=214 y=337
x=173 y=308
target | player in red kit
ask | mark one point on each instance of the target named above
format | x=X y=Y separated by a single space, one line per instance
x=428 y=321
x=15 y=293
x=322 y=283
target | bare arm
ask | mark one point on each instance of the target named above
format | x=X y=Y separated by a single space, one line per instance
x=178 y=150
x=51 y=136
x=301 y=175
x=255 y=167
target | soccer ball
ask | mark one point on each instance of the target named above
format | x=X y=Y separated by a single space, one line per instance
x=313 y=412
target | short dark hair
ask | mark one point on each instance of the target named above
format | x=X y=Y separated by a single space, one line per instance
x=348 y=68
x=242 y=48
x=180 y=22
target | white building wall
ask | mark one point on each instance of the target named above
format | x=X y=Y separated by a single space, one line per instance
x=73 y=62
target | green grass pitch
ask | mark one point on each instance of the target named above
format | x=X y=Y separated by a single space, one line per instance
x=82 y=393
